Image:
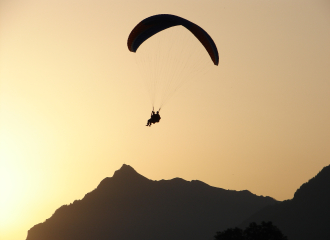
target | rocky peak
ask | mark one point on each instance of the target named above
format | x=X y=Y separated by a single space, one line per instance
x=127 y=174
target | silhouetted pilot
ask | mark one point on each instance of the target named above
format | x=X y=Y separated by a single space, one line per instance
x=155 y=117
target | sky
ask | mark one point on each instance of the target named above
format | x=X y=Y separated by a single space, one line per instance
x=73 y=103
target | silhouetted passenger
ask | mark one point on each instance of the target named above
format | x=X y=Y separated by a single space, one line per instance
x=156 y=117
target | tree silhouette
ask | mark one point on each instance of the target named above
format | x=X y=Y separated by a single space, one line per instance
x=264 y=231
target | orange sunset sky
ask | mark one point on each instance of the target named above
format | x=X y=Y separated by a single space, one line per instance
x=74 y=104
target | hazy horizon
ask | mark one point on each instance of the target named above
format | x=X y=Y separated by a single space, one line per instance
x=73 y=105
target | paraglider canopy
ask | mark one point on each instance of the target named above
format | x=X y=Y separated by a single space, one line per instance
x=154 y=24
x=167 y=60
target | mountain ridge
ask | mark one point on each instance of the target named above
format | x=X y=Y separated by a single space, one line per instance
x=307 y=215
x=129 y=205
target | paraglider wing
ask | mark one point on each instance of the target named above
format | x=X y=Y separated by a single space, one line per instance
x=154 y=24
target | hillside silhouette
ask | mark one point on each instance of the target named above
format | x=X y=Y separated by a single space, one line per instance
x=307 y=215
x=129 y=206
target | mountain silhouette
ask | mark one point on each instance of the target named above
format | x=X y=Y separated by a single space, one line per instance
x=129 y=206
x=307 y=215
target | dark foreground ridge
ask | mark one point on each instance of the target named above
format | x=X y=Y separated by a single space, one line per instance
x=129 y=206
x=307 y=215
